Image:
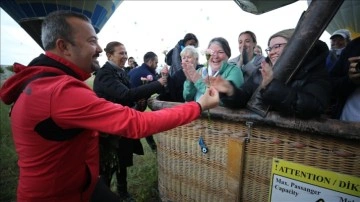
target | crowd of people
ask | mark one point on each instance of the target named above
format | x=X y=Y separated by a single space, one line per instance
x=109 y=119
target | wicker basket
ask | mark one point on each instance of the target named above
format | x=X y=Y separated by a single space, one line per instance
x=241 y=147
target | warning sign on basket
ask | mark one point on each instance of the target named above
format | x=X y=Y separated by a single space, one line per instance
x=296 y=182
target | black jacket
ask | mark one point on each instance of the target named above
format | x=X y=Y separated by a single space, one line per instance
x=113 y=84
x=174 y=88
x=307 y=94
x=341 y=84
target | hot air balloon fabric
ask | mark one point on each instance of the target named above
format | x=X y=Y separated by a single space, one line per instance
x=348 y=17
x=29 y=14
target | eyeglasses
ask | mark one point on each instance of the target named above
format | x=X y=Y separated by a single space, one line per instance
x=274 y=47
x=218 y=52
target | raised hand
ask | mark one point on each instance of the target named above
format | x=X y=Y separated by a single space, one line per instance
x=221 y=85
x=190 y=72
x=162 y=80
x=165 y=71
x=267 y=73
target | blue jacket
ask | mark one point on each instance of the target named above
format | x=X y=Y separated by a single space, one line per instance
x=143 y=71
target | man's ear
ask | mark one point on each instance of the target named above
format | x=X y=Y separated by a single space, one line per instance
x=63 y=46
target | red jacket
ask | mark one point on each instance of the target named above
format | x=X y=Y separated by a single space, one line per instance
x=67 y=170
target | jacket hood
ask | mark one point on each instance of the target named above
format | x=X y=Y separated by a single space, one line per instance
x=38 y=67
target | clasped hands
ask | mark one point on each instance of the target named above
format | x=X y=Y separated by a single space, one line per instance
x=190 y=72
x=211 y=98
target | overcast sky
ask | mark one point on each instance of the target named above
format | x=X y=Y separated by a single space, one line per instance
x=144 y=26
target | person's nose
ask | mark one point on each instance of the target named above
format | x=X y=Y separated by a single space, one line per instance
x=99 y=49
x=272 y=52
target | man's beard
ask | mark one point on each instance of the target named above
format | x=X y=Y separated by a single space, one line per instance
x=95 y=66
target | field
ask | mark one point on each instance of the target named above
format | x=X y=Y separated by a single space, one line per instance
x=142 y=177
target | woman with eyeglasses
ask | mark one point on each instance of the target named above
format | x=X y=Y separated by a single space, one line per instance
x=306 y=95
x=196 y=80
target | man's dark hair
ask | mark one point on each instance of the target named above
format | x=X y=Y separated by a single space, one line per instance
x=190 y=36
x=149 y=56
x=56 y=26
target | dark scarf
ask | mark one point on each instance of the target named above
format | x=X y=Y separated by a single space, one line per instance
x=46 y=61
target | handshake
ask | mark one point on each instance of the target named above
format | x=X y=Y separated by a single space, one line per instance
x=210 y=99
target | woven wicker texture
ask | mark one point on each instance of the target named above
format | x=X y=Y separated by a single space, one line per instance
x=186 y=174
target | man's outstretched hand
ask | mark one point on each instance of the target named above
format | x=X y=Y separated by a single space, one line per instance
x=210 y=99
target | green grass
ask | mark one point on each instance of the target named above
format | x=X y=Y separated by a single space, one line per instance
x=8 y=158
x=142 y=177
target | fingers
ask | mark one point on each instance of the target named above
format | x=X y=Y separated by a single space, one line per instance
x=221 y=85
x=354 y=67
x=213 y=92
x=186 y=72
x=162 y=80
x=354 y=59
x=210 y=99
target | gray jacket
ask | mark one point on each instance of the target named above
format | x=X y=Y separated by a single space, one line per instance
x=249 y=68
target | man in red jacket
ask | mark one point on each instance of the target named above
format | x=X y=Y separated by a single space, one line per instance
x=55 y=116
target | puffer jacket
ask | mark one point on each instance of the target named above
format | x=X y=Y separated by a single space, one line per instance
x=306 y=95
x=54 y=124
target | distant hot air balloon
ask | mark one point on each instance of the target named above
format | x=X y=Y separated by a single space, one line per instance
x=348 y=17
x=29 y=14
